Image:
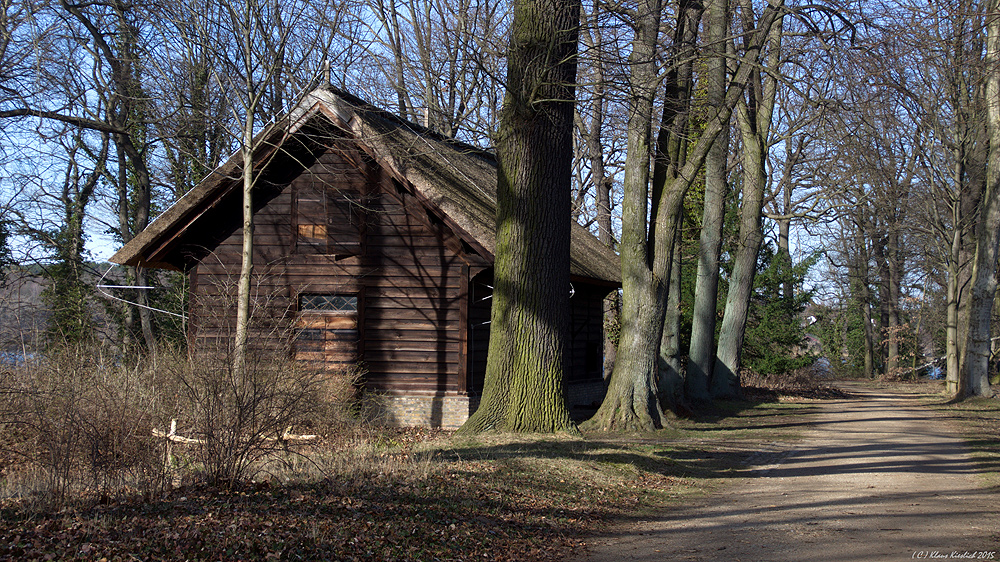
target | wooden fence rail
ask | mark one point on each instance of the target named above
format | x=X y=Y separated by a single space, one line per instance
x=171 y=437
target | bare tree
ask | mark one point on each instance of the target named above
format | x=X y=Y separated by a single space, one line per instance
x=114 y=32
x=56 y=89
x=975 y=369
x=647 y=248
x=917 y=138
x=671 y=151
x=595 y=162
x=754 y=117
x=442 y=60
x=254 y=71
x=701 y=353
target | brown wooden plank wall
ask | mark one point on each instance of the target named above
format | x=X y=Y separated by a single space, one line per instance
x=409 y=283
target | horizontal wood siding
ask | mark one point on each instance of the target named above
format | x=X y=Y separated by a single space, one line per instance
x=409 y=281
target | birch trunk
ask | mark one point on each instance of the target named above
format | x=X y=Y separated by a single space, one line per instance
x=242 y=336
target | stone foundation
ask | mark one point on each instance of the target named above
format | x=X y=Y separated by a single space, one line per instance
x=585 y=394
x=449 y=411
x=441 y=411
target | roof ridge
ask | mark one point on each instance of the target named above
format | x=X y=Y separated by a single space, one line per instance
x=415 y=128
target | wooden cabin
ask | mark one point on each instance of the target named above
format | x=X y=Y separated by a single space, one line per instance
x=376 y=237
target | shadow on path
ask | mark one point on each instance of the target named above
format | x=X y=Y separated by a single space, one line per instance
x=876 y=478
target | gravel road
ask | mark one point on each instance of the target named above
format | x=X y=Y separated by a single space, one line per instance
x=875 y=478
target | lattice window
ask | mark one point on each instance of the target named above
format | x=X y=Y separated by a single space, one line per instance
x=327 y=329
x=310 y=302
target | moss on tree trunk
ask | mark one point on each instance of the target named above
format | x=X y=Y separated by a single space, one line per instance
x=523 y=390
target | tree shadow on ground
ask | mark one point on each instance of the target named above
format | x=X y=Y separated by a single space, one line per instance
x=737 y=438
x=659 y=457
x=717 y=441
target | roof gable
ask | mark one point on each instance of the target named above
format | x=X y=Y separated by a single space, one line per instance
x=457 y=182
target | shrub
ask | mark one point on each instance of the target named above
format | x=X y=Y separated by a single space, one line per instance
x=79 y=419
x=78 y=423
x=81 y=416
x=238 y=418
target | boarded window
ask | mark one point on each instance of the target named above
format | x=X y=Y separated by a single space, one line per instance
x=327 y=334
x=327 y=223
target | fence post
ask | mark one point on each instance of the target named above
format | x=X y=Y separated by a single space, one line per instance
x=170 y=444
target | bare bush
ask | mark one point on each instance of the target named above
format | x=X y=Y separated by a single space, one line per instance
x=805 y=382
x=78 y=422
x=238 y=417
x=81 y=417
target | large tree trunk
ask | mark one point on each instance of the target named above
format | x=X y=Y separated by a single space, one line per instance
x=133 y=217
x=971 y=182
x=631 y=402
x=523 y=390
x=754 y=119
x=881 y=331
x=975 y=368
x=725 y=381
x=953 y=266
x=672 y=140
x=671 y=382
x=970 y=199
x=869 y=333
x=131 y=329
x=701 y=353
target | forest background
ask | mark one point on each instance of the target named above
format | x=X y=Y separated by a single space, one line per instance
x=782 y=179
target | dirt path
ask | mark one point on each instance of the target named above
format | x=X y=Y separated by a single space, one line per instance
x=875 y=478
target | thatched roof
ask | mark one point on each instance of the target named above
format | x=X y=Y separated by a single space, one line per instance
x=457 y=181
